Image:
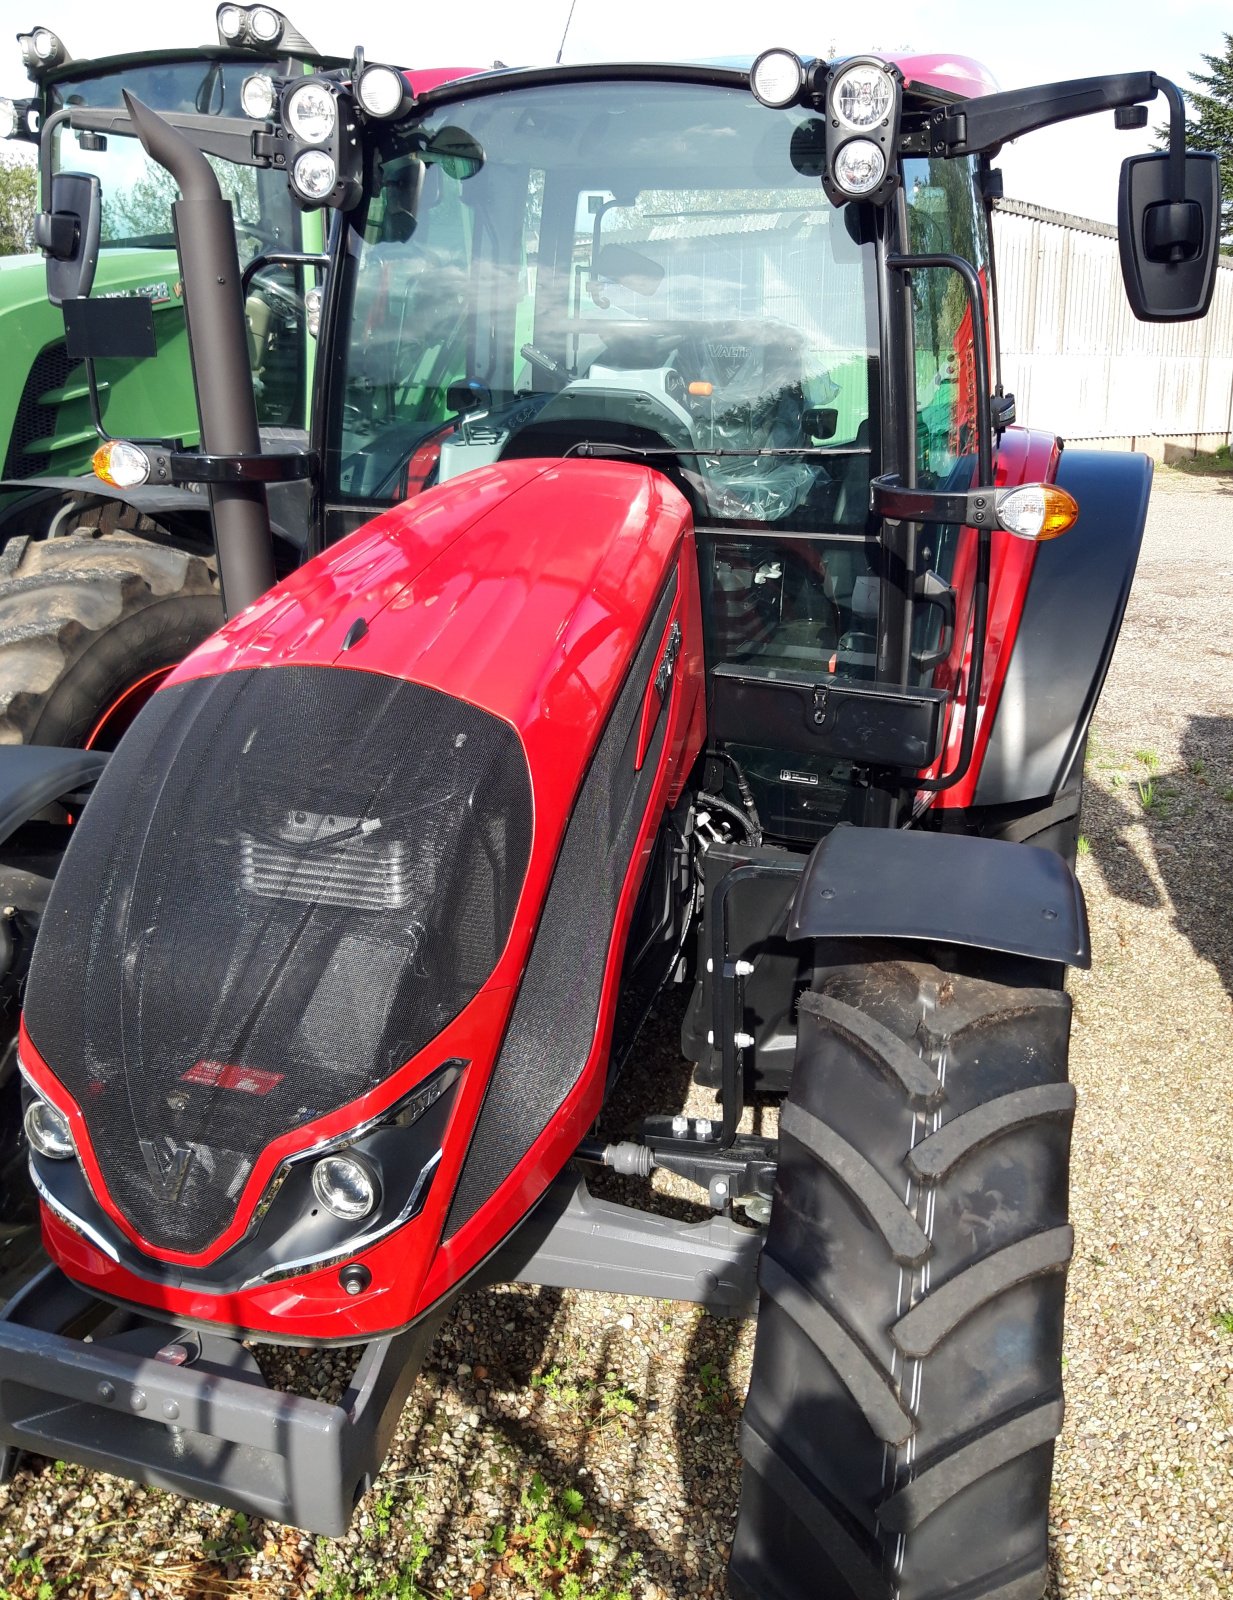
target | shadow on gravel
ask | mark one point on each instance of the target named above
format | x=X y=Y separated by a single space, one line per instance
x=1188 y=812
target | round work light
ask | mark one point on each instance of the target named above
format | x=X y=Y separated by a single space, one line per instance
x=777 y=78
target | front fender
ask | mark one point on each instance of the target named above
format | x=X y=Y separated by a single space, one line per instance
x=1070 y=623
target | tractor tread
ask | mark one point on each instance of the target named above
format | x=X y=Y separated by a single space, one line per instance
x=937 y=1154
x=882 y=1048
x=941 y=1481
x=904 y=1236
x=923 y=1328
x=864 y=1380
x=808 y=1504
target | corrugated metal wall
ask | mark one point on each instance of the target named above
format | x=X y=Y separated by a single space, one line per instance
x=1076 y=359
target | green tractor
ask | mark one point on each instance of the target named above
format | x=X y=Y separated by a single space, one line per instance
x=102 y=591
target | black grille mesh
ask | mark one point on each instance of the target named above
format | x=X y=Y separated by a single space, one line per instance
x=557 y=1010
x=39 y=418
x=195 y=1010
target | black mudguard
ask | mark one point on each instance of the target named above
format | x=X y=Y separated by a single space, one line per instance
x=1080 y=584
x=873 y=883
x=33 y=775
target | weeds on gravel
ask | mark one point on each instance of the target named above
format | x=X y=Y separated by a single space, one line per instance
x=1084 y=845
x=339 y=1583
x=609 y=1400
x=554 y=1551
x=1224 y=1319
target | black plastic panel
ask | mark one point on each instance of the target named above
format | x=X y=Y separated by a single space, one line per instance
x=879 y=725
x=1080 y=584
x=942 y=888
x=552 y=1028
x=286 y=883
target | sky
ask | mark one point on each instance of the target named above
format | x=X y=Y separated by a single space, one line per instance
x=1072 y=168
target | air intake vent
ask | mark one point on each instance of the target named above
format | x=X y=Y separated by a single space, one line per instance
x=329 y=861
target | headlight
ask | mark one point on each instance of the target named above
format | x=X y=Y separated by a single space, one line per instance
x=314 y=174
x=863 y=96
x=312 y=311
x=259 y=97
x=48 y=1131
x=8 y=119
x=264 y=24
x=1037 y=511
x=859 y=167
x=230 y=21
x=45 y=43
x=777 y=77
x=346 y=1186
x=311 y=113
x=381 y=91
x=120 y=463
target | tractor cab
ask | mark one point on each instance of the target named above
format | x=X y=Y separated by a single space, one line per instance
x=651 y=270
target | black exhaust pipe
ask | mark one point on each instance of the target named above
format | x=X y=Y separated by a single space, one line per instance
x=218 y=347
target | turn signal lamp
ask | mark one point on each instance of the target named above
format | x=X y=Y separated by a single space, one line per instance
x=699 y=386
x=121 y=464
x=1037 y=511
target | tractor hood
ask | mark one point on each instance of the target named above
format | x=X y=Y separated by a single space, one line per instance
x=325 y=845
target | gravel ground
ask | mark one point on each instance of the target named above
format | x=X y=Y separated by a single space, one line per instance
x=561 y=1437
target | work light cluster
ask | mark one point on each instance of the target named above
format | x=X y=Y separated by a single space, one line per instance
x=861 y=98
x=317 y=115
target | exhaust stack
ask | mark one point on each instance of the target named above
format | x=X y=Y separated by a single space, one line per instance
x=214 y=312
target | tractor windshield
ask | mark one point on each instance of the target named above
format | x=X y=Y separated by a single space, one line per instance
x=137 y=192
x=651 y=265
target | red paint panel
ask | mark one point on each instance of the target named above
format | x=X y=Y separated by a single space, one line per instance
x=1025 y=456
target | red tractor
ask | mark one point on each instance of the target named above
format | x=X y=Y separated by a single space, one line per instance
x=655 y=629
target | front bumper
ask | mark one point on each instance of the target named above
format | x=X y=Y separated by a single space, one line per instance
x=211 y=1428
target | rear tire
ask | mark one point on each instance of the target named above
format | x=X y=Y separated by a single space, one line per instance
x=906 y=1387
x=83 y=619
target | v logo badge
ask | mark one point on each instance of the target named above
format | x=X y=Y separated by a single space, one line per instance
x=168 y=1166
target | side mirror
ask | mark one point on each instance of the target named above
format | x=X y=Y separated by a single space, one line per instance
x=1169 y=246
x=68 y=235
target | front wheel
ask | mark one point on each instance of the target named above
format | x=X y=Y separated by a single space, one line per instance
x=906 y=1387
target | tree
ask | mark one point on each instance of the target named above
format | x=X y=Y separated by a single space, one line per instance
x=1212 y=129
x=18 y=202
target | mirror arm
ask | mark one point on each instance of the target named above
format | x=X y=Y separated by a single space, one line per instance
x=1177 y=139
x=985 y=122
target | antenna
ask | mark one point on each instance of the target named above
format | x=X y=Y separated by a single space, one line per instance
x=565 y=35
